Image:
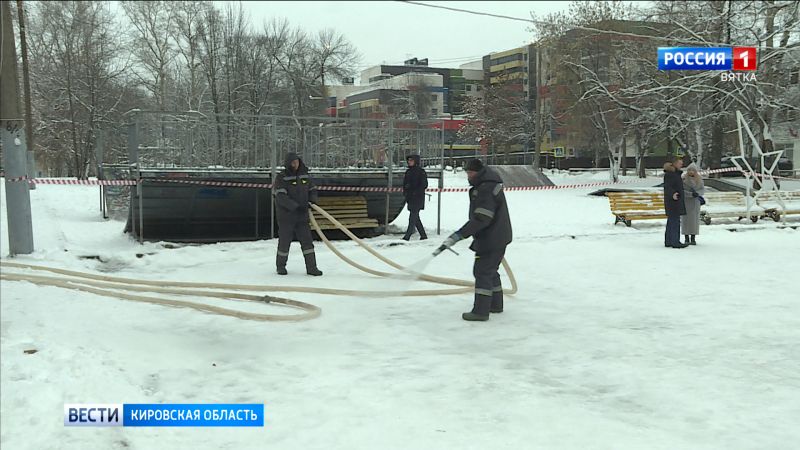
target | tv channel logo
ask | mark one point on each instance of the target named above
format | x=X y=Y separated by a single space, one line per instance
x=707 y=58
x=93 y=415
x=164 y=415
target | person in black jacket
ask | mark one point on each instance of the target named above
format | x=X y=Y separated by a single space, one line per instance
x=293 y=191
x=673 y=202
x=414 y=184
x=490 y=226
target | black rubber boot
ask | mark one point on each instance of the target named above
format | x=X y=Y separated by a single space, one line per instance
x=311 y=265
x=480 y=309
x=686 y=239
x=280 y=262
x=693 y=242
x=497 y=301
x=472 y=317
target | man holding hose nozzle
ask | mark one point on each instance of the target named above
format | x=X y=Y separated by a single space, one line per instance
x=293 y=191
x=490 y=226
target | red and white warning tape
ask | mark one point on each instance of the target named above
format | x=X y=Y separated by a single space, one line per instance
x=63 y=181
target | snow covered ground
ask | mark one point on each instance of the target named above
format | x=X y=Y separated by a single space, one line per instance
x=612 y=342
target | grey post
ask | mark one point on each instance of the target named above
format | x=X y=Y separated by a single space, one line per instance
x=140 y=190
x=133 y=160
x=389 y=168
x=441 y=185
x=12 y=137
x=273 y=162
x=99 y=150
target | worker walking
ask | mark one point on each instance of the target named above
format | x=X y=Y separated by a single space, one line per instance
x=293 y=191
x=490 y=227
x=415 y=182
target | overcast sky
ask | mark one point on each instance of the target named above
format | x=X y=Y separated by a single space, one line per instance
x=390 y=31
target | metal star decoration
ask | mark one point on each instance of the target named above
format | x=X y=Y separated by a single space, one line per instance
x=766 y=179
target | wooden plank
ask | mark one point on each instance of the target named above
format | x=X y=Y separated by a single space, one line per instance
x=659 y=216
x=351 y=220
x=343 y=210
x=333 y=200
x=339 y=204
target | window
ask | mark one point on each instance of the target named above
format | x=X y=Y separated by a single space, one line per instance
x=433 y=98
x=469 y=88
x=795 y=77
x=434 y=111
x=479 y=88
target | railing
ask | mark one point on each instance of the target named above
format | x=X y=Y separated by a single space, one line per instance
x=157 y=139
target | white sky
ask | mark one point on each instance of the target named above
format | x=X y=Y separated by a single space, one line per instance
x=390 y=31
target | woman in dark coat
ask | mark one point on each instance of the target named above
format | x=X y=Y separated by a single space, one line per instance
x=673 y=202
x=414 y=184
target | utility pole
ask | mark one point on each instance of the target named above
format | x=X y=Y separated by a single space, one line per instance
x=12 y=139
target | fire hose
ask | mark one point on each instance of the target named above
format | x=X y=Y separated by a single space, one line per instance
x=109 y=286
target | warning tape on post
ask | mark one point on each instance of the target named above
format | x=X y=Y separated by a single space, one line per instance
x=95 y=182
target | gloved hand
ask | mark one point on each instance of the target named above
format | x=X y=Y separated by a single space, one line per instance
x=452 y=240
x=695 y=194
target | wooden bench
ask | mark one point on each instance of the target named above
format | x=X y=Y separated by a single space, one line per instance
x=351 y=211
x=728 y=204
x=629 y=206
x=769 y=201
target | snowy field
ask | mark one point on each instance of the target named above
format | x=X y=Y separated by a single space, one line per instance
x=613 y=342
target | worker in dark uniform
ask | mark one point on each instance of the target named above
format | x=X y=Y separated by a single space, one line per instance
x=490 y=226
x=415 y=182
x=293 y=191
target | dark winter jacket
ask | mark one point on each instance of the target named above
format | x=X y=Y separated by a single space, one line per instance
x=414 y=184
x=489 y=222
x=672 y=184
x=294 y=190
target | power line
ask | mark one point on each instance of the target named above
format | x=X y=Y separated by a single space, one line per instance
x=668 y=40
x=477 y=13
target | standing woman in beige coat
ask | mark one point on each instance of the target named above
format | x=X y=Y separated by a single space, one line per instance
x=693 y=190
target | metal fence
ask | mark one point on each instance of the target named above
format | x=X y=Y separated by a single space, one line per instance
x=158 y=139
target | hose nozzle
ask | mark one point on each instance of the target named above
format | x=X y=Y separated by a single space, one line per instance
x=443 y=248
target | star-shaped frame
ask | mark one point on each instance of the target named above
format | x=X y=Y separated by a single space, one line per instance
x=765 y=179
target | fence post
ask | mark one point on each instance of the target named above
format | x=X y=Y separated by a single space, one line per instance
x=441 y=185
x=389 y=168
x=273 y=161
x=133 y=162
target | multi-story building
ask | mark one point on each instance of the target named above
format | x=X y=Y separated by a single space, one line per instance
x=456 y=84
x=409 y=95
x=511 y=69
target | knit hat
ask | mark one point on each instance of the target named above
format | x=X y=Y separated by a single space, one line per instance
x=475 y=165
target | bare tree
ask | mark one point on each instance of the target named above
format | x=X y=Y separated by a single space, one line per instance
x=155 y=23
x=188 y=18
x=502 y=118
x=77 y=72
x=26 y=79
